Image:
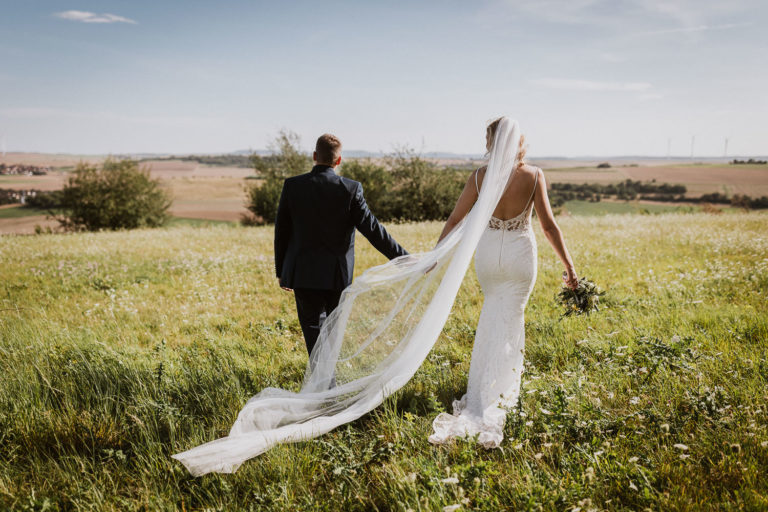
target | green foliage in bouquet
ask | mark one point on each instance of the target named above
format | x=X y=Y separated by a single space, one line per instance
x=582 y=300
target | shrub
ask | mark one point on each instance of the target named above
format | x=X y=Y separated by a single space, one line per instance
x=286 y=161
x=119 y=195
x=604 y=165
x=377 y=185
x=420 y=189
x=407 y=187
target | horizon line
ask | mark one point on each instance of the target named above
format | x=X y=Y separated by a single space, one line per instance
x=369 y=154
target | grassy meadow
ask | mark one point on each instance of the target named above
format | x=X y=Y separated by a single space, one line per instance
x=119 y=349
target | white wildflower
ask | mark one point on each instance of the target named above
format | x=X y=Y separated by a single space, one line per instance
x=681 y=446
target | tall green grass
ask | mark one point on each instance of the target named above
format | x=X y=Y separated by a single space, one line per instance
x=119 y=349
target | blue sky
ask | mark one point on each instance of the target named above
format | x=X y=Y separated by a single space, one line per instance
x=583 y=77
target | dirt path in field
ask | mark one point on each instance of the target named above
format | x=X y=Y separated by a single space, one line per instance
x=25 y=225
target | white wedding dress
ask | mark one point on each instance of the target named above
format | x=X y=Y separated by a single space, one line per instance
x=505 y=262
x=384 y=327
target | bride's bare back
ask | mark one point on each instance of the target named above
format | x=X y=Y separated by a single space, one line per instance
x=517 y=196
x=525 y=184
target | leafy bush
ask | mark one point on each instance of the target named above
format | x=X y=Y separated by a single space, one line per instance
x=407 y=187
x=120 y=195
x=286 y=161
x=422 y=190
x=376 y=181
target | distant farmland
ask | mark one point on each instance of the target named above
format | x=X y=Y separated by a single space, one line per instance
x=698 y=178
x=217 y=192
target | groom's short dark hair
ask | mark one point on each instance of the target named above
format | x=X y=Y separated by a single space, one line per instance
x=328 y=149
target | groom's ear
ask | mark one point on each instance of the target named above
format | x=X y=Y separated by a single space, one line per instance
x=337 y=162
x=314 y=156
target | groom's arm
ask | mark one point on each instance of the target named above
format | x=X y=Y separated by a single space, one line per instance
x=282 y=231
x=369 y=226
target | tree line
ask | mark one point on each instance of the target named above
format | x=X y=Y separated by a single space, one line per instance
x=230 y=160
x=629 y=190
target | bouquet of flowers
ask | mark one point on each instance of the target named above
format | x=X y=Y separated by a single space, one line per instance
x=582 y=300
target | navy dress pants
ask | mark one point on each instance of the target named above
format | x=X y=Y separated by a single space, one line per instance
x=313 y=307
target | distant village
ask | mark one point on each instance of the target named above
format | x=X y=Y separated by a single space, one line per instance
x=28 y=170
x=8 y=196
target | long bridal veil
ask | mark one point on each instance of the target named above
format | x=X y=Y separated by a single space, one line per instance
x=386 y=323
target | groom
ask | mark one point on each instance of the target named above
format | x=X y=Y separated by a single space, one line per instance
x=315 y=236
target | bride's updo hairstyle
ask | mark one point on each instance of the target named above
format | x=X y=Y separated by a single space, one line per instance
x=490 y=133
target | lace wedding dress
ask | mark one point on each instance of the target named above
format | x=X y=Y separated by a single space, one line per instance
x=505 y=262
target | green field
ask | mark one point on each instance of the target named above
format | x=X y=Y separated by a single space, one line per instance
x=606 y=207
x=17 y=212
x=186 y=221
x=120 y=349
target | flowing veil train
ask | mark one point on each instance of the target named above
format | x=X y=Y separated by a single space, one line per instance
x=384 y=327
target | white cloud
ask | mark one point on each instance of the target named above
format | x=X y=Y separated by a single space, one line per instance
x=570 y=84
x=92 y=17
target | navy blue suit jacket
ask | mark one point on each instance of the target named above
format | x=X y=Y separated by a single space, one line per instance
x=315 y=230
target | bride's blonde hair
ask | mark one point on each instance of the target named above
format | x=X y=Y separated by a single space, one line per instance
x=490 y=133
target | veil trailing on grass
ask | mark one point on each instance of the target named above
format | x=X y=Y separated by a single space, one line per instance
x=371 y=345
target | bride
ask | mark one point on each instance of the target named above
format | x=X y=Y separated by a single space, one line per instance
x=389 y=318
x=505 y=262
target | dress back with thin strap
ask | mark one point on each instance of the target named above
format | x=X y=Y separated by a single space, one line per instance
x=518 y=222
